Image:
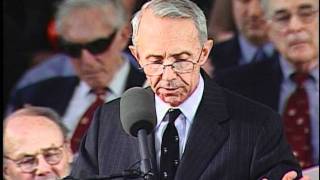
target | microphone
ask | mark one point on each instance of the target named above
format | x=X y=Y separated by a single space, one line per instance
x=138 y=118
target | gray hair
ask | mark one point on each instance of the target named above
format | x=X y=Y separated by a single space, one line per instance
x=39 y=111
x=184 y=9
x=65 y=8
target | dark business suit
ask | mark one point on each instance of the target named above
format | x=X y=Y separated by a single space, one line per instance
x=57 y=92
x=226 y=54
x=259 y=81
x=231 y=138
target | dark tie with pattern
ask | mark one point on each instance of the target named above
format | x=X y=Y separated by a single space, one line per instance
x=85 y=121
x=260 y=55
x=169 y=159
x=297 y=122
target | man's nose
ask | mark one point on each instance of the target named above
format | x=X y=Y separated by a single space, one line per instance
x=168 y=72
x=87 y=57
x=43 y=167
x=295 y=23
x=254 y=8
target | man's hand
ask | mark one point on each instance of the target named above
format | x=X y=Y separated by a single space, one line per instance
x=291 y=175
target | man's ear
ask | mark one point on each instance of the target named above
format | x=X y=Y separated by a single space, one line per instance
x=5 y=171
x=124 y=36
x=133 y=51
x=126 y=31
x=69 y=151
x=207 y=46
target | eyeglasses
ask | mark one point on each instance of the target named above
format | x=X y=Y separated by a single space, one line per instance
x=179 y=66
x=95 y=47
x=305 y=15
x=29 y=163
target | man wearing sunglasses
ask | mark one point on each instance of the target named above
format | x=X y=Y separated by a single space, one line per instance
x=36 y=146
x=94 y=35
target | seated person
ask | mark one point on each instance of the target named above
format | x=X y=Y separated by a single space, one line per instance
x=94 y=35
x=35 y=145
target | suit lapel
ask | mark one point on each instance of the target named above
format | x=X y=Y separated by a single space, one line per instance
x=207 y=134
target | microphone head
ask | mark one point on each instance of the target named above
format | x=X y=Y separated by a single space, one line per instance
x=137 y=111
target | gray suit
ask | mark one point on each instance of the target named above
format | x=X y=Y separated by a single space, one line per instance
x=231 y=138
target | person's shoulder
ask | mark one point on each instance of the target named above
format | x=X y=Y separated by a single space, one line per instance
x=57 y=65
x=246 y=108
x=245 y=74
x=51 y=84
x=228 y=43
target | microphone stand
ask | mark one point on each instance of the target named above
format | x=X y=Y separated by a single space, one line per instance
x=145 y=166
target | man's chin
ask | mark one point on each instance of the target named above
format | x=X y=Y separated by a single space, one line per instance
x=172 y=100
x=49 y=177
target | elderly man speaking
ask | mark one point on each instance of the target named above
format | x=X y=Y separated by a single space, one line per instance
x=202 y=131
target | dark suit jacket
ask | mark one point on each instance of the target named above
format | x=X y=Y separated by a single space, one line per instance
x=226 y=54
x=259 y=81
x=57 y=92
x=231 y=138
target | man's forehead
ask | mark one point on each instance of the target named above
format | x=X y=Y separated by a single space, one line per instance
x=159 y=36
x=86 y=25
x=151 y=24
x=31 y=133
x=282 y=5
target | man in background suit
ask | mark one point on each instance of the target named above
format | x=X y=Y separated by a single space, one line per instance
x=249 y=44
x=93 y=33
x=220 y=135
x=294 y=29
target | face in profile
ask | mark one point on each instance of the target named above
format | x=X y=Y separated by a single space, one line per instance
x=170 y=79
x=35 y=150
x=249 y=19
x=294 y=29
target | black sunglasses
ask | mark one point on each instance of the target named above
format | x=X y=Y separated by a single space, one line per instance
x=94 y=47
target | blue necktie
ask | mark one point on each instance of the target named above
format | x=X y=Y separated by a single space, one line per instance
x=260 y=55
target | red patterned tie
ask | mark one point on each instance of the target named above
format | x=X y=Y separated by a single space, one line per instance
x=297 y=122
x=85 y=121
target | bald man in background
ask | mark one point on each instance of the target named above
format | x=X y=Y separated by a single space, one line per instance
x=35 y=145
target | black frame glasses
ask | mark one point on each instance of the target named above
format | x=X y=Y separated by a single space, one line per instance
x=95 y=47
x=29 y=163
x=179 y=66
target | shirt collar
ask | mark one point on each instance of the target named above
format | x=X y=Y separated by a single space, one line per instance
x=188 y=107
x=287 y=69
x=118 y=82
x=248 y=50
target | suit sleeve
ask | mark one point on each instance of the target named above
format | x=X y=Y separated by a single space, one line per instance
x=86 y=163
x=272 y=157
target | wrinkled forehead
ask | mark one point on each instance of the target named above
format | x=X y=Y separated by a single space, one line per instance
x=161 y=33
x=291 y=5
x=31 y=134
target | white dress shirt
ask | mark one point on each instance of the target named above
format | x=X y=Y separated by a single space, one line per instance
x=82 y=98
x=182 y=123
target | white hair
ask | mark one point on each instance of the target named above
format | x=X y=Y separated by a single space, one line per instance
x=183 y=9
x=68 y=6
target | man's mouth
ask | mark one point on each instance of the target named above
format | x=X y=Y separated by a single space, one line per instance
x=296 y=44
